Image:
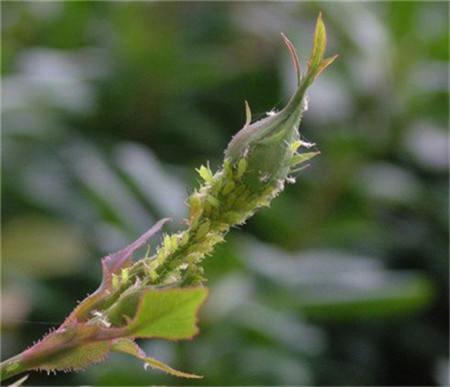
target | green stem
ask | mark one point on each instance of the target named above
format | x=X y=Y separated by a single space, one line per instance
x=12 y=367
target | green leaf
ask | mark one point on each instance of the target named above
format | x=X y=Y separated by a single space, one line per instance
x=131 y=348
x=124 y=309
x=403 y=294
x=169 y=313
x=165 y=313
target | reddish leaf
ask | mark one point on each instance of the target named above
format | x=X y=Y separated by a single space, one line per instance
x=112 y=264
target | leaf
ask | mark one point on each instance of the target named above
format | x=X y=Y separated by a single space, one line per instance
x=116 y=261
x=169 y=313
x=397 y=294
x=131 y=348
x=124 y=309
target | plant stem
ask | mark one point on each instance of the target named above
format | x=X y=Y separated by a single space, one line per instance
x=12 y=367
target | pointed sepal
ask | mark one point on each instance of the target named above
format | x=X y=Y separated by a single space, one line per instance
x=294 y=57
x=319 y=45
x=302 y=157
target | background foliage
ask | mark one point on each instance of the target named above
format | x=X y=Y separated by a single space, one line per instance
x=107 y=109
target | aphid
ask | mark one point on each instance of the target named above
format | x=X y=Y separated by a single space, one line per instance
x=206 y=174
x=308 y=144
x=184 y=239
x=264 y=177
x=101 y=318
x=242 y=167
x=124 y=276
x=245 y=152
x=114 y=281
x=184 y=266
x=305 y=104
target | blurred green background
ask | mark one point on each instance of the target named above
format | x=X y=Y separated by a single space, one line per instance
x=109 y=106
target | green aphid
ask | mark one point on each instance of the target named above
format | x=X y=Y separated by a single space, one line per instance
x=242 y=167
x=203 y=229
x=173 y=242
x=115 y=281
x=228 y=187
x=206 y=174
x=184 y=239
x=124 y=276
x=213 y=201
